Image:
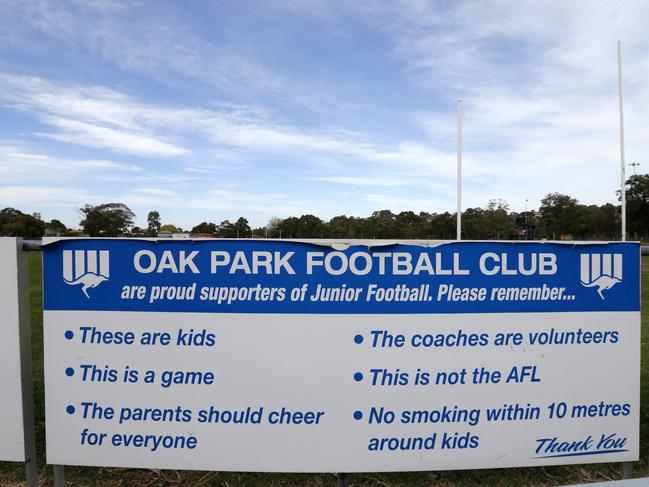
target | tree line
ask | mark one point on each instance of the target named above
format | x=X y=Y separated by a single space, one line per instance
x=559 y=217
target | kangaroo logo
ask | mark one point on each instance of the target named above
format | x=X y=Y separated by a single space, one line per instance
x=88 y=268
x=601 y=271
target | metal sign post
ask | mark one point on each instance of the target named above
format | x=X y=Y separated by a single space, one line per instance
x=59 y=475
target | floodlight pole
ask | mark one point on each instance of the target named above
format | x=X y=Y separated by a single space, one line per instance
x=627 y=467
x=459 y=169
x=622 y=163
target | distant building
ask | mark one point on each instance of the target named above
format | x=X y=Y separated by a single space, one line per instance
x=51 y=232
x=173 y=235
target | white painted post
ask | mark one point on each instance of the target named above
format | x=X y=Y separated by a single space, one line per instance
x=627 y=467
x=459 y=169
x=622 y=163
x=16 y=401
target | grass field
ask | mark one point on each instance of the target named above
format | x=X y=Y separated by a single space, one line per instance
x=13 y=474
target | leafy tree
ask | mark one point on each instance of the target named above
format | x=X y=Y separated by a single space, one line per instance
x=204 y=227
x=383 y=224
x=139 y=232
x=425 y=229
x=500 y=224
x=273 y=227
x=343 y=227
x=56 y=228
x=410 y=224
x=260 y=232
x=306 y=226
x=493 y=222
x=559 y=215
x=474 y=224
x=443 y=226
x=310 y=226
x=15 y=223
x=288 y=227
x=170 y=228
x=107 y=220
x=637 y=205
x=226 y=230
x=603 y=222
x=241 y=228
x=153 y=222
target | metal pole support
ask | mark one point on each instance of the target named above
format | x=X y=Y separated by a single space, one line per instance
x=30 y=465
x=59 y=475
x=343 y=479
x=627 y=470
x=31 y=470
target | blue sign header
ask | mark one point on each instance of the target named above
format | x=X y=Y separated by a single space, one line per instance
x=282 y=276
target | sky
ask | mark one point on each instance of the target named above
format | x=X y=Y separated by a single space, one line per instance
x=206 y=111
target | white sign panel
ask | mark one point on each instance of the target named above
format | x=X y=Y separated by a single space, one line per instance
x=12 y=436
x=304 y=357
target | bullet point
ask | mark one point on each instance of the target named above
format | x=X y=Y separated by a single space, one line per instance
x=70 y=409
x=69 y=335
x=358 y=377
x=69 y=371
x=358 y=415
x=358 y=339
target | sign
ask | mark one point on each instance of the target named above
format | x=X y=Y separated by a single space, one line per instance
x=340 y=357
x=14 y=337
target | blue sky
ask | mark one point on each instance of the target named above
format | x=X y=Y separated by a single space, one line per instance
x=215 y=110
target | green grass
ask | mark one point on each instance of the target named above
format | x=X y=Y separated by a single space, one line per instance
x=13 y=474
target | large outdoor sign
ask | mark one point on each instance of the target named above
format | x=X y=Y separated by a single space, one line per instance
x=14 y=336
x=340 y=357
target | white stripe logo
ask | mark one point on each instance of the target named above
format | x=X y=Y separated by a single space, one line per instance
x=602 y=271
x=89 y=268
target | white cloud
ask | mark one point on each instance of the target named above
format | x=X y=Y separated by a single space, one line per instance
x=104 y=118
x=108 y=138
x=216 y=204
x=247 y=202
x=199 y=170
x=368 y=181
x=157 y=45
x=47 y=196
x=18 y=163
x=398 y=204
x=155 y=191
x=91 y=116
x=383 y=180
